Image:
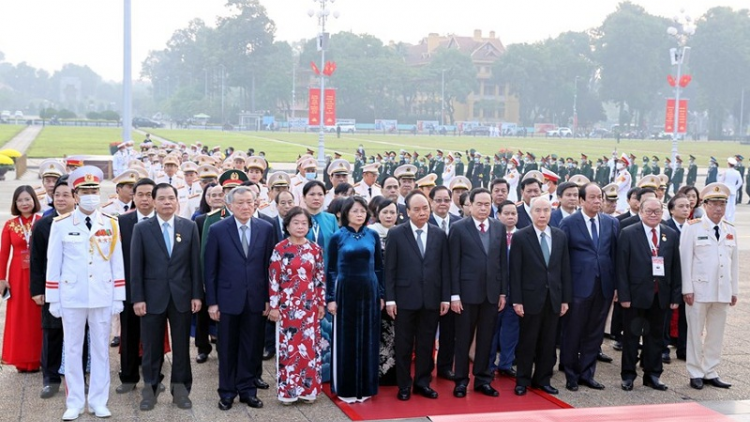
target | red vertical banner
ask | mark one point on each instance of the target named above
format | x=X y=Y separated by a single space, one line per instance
x=329 y=112
x=669 y=121
x=682 y=113
x=313 y=117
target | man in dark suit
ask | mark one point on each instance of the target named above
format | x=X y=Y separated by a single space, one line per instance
x=530 y=189
x=632 y=202
x=165 y=286
x=541 y=285
x=236 y=257
x=592 y=243
x=130 y=323
x=444 y=220
x=649 y=282
x=417 y=292
x=479 y=286
x=52 y=329
x=567 y=194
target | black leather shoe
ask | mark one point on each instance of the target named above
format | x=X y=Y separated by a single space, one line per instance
x=147 y=403
x=253 y=402
x=571 y=386
x=601 y=357
x=268 y=354
x=520 y=390
x=547 y=389
x=225 y=404
x=201 y=358
x=665 y=358
x=617 y=346
x=183 y=402
x=627 y=385
x=716 y=382
x=425 y=392
x=653 y=382
x=592 y=384
x=124 y=388
x=507 y=372
x=404 y=394
x=696 y=383
x=115 y=342
x=447 y=375
x=259 y=383
x=49 y=391
x=487 y=390
x=459 y=391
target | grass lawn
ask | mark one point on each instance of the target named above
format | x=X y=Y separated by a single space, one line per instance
x=7 y=132
x=59 y=141
x=56 y=141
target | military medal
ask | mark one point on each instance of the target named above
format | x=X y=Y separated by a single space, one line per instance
x=178 y=238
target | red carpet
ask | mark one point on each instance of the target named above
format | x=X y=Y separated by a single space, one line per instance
x=386 y=406
x=678 y=412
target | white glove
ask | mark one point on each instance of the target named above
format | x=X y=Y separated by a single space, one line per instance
x=117 y=307
x=54 y=309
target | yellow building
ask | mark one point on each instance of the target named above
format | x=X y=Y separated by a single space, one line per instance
x=492 y=103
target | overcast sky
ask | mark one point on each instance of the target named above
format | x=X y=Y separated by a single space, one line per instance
x=49 y=33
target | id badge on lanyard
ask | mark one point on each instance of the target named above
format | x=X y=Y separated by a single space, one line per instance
x=25 y=256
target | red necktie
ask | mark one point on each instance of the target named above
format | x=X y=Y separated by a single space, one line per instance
x=655 y=252
x=510 y=238
x=481 y=227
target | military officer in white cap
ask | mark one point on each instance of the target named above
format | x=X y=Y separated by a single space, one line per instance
x=49 y=171
x=120 y=159
x=308 y=168
x=710 y=273
x=338 y=172
x=733 y=180
x=623 y=180
x=256 y=168
x=190 y=195
x=85 y=283
x=123 y=202
x=277 y=182
x=368 y=188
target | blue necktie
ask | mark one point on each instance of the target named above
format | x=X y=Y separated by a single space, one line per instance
x=167 y=238
x=594 y=232
x=545 y=248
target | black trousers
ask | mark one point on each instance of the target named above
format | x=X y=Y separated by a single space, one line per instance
x=152 y=334
x=648 y=323
x=447 y=342
x=536 y=347
x=615 y=326
x=415 y=331
x=240 y=353
x=130 y=341
x=202 y=336
x=52 y=347
x=482 y=318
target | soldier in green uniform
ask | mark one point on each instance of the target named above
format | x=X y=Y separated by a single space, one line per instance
x=498 y=170
x=439 y=167
x=602 y=172
x=586 y=167
x=740 y=168
x=679 y=175
x=633 y=170
x=486 y=172
x=646 y=168
x=553 y=164
x=713 y=171
x=668 y=173
x=359 y=162
x=531 y=164
x=692 y=173
x=459 y=165
x=655 y=169
x=228 y=180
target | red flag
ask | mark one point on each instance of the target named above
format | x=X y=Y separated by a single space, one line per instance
x=317 y=71
x=313 y=116
x=681 y=116
x=329 y=112
x=685 y=80
x=671 y=80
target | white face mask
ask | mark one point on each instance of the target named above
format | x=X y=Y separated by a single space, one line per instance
x=620 y=166
x=89 y=202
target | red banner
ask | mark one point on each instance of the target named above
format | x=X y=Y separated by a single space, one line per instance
x=329 y=113
x=681 y=116
x=313 y=116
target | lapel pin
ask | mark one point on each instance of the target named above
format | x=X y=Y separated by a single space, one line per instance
x=178 y=238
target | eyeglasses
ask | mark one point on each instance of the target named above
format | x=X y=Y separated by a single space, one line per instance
x=653 y=212
x=441 y=201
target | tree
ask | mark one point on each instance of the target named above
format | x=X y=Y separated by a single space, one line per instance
x=460 y=78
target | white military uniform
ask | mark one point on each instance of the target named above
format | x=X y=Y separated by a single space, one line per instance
x=367 y=192
x=623 y=181
x=116 y=207
x=85 y=278
x=191 y=200
x=732 y=178
x=120 y=161
x=513 y=178
x=298 y=182
x=710 y=271
x=46 y=203
x=269 y=209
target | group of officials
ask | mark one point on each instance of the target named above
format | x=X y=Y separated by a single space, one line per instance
x=470 y=273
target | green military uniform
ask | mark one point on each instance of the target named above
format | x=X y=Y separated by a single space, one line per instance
x=459 y=166
x=678 y=177
x=486 y=173
x=668 y=173
x=439 y=168
x=633 y=170
x=646 y=168
x=692 y=173
x=357 y=173
x=740 y=168
x=655 y=169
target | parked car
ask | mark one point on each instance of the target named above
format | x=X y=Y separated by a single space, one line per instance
x=144 y=122
x=600 y=133
x=561 y=132
x=478 y=131
x=344 y=129
x=18 y=114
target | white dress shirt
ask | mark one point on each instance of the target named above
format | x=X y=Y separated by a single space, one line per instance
x=587 y=220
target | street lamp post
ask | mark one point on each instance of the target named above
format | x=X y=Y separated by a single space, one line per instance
x=575 y=108
x=322 y=15
x=127 y=95
x=681 y=29
x=442 y=98
x=223 y=69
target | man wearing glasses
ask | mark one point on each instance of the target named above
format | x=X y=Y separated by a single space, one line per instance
x=710 y=270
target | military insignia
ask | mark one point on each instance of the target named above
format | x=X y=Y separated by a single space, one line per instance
x=702 y=237
x=693 y=221
x=235 y=176
x=717 y=189
x=730 y=236
x=88 y=177
x=63 y=217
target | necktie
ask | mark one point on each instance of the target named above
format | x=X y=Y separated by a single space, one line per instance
x=126 y=208
x=369 y=191
x=444 y=226
x=88 y=224
x=170 y=180
x=594 y=232
x=654 y=242
x=167 y=237
x=144 y=218
x=245 y=245
x=509 y=236
x=481 y=227
x=545 y=248
x=716 y=229
x=419 y=241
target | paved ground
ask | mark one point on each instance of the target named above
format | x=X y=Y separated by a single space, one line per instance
x=19 y=400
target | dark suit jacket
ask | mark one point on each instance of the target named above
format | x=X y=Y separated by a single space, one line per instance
x=586 y=258
x=412 y=281
x=127 y=223
x=234 y=281
x=475 y=275
x=155 y=277
x=199 y=221
x=635 y=282
x=672 y=225
x=524 y=219
x=557 y=217
x=273 y=221
x=403 y=217
x=531 y=279
x=623 y=216
x=629 y=221
x=452 y=218
x=38 y=265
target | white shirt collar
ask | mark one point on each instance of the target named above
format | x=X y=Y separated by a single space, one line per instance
x=170 y=222
x=141 y=216
x=414 y=228
x=547 y=231
x=478 y=222
x=647 y=229
x=239 y=224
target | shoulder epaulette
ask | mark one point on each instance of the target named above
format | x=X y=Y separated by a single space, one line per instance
x=356 y=185
x=298 y=183
x=519 y=203
x=728 y=223
x=214 y=211
x=107 y=204
x=694 y=221
x=114 y=217
x=264 y=206
x=63 y=216
x=195 y=195
x=376 y=185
